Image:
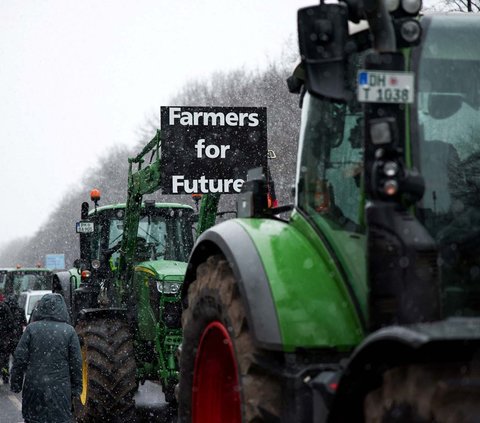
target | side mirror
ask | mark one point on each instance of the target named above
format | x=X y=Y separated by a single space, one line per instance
x=80 y=264
x=322 y=35
x=84 y=211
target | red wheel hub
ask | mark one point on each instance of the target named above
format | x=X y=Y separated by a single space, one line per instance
x=216 y=391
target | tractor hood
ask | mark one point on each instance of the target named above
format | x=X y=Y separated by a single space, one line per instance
x=164 y=269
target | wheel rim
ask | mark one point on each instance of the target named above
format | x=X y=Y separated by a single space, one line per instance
x=83 y=395
x=215 y=393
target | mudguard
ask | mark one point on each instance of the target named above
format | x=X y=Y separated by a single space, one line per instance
x=87 y=314
x=231 y=240
x=451 y=340
x=294 y=294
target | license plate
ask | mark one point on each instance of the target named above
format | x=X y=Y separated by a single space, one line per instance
x=85 y=227
x=385 y=87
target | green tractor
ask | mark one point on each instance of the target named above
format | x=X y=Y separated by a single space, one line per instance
x=363 y=305
x=124 y=292
x=20 y=279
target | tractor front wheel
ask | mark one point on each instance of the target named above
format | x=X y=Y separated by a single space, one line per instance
x=108 y=367
x=220 y=379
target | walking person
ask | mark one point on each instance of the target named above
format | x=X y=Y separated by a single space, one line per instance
x=6 y=331
x=19 y=321
x=48 y=356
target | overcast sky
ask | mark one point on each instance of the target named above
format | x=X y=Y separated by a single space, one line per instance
x=77 y=77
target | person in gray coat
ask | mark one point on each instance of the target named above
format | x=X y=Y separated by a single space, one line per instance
x=6 y=330
x=48 y=355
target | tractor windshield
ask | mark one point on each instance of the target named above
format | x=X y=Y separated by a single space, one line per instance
x=448 y=112
x=23 y=281
x=331 y=163
x=329 y=181
x=165 y=234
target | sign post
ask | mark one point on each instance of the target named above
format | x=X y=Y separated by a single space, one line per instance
x=55 y=261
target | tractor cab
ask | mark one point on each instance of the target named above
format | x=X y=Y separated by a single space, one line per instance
x=21 y=279
x=3 y=277
x=164 y=232
x=446 y=148
x=431 y=130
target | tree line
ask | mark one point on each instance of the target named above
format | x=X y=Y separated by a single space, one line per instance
x=240 y=87
x=259 y=88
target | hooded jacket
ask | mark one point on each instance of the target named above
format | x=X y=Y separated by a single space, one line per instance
x=49 y=357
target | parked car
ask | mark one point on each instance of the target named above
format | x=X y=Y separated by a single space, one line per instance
x=28 y=299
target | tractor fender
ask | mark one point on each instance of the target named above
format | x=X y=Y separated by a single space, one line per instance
x=87 y=314
x=451 y=340
x=232 y=241
x=293 y=292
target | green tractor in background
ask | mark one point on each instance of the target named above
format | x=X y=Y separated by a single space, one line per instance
x=363 y=306
x=124 y=292
x=13 y=281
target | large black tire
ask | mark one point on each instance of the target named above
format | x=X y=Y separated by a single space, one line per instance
x=109 y=372
x=436 y=393
x=215 y=296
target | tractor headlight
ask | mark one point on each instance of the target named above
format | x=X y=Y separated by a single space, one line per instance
x=392 y=5
x=410 y=30
x=168 y=287
x=412 y=6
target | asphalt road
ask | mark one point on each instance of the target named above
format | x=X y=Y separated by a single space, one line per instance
x=149 y=401
x=10 y=405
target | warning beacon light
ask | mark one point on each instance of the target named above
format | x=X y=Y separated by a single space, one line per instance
x=95 y=195
x=196 y=197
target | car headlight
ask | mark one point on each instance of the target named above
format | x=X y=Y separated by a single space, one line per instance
x=168 y=287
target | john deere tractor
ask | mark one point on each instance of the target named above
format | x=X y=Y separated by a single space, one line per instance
x=124 y=293
x=19 y=279
x=363 y=305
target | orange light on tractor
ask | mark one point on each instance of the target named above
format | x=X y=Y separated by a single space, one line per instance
x=95 y=195
x=196 y=196
x=271 y=202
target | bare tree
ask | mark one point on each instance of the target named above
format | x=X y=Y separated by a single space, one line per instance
x=57 y=234
x=236 y=88
x=466 y=5
x=457 y=6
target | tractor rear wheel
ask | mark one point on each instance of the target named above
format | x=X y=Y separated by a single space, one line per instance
x=108 y=372
x=434 y=393
x=220 y=379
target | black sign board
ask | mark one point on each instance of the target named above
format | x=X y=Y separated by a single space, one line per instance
x=210 y=149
